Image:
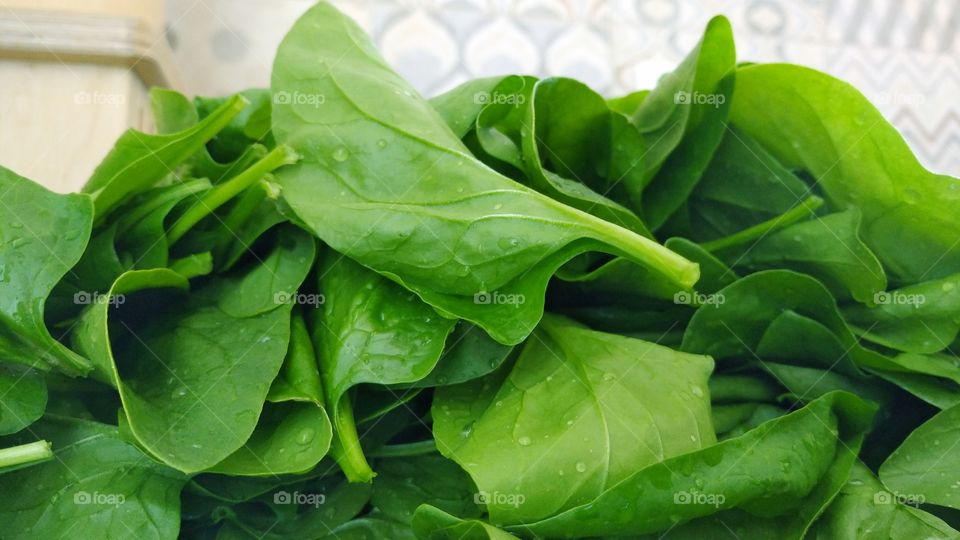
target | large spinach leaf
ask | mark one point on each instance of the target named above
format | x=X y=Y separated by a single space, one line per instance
x=810 y=120
x=443 y=225
x=622 y=411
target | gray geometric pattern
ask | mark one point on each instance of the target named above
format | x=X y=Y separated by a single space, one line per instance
x=903 y=55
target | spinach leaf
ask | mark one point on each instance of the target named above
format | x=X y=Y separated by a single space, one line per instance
x=798 y=452
x=568 y=126
x=308 y=510
x=620 y=415
x=98 y=486
x=432 y=523
x=140 y=160
x=924 y=468
x=469 y=354
x=828 y=248
x=920 y=318
x=683 y=98
x=682 y=169
x=404 y=484
x=23 y=397
x=293 y=433
x=191 y=411
x=460 y=106
x=371 y=331
x=865 y=509
x=42 y=236
x=444 y=225
x=743 y=186
x=810 y=120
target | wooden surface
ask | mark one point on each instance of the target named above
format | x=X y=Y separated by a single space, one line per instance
x=73 y=76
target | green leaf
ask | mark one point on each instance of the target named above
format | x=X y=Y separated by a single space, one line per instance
x=23 y=397
x=98 y=486
x=294 y=432
x=42 y=236
x=469 y=354
x=924 y=469
x=404 y=484
x=777 y=475
x=919 y=318
x=194 y=376
x=371 y=331
x=743 y=186
x=864 y=509
x=139 y=160
x=828 y=248
x=620 y=414
x=443 y=225
x=567 y=127
x=431 y=523
x=810 y=120
x=461 y=106
x=304 y=511
x=683 y=168
x=682 y=98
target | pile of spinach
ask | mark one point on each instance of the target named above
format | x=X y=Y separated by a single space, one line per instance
x=725 y=307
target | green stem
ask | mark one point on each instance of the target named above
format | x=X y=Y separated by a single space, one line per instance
x=406 y=450
x=25 y=453
x=795 y=214
x=346 y=444
x=633 y=246
x=221 y=193
x=181 y=191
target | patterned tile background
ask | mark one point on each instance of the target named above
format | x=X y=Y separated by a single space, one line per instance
x=903 y=54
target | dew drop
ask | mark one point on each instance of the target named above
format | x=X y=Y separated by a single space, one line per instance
x=306 y=435
x=497 y=206
x=382 y=143
x=340 y=154
x=524 y=441
x=696 y=390
x=948 y=286
x=581 y=466
x=609 y=376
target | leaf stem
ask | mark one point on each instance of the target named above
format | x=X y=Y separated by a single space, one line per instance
x=25 y=453
x=795 y=214
x=221 y=193
x=346 y=444
x=406 y=450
